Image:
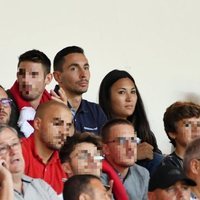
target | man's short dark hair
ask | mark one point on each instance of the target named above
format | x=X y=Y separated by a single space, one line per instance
x=176 y=112
x=37 y=57
x=78 y=184
x=59 y=58
x=105 y=131
x=78 y=138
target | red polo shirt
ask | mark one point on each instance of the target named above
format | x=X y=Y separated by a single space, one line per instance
x=51 y=172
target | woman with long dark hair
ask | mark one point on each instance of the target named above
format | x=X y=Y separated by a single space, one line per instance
x=119 y=97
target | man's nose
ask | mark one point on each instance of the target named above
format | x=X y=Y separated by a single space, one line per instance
x=83 y=72
x=179 y=193
x=1 y=106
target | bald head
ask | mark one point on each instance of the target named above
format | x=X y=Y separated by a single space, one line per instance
x=53 y=123
x=50 y=106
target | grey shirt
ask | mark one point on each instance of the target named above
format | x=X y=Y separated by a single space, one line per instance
x=136 y=182
x=35 y=189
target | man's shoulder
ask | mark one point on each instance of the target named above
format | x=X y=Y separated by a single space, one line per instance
x=92 y=107
x=40 y=187
x=27 y=145
x=139 y=170
x=85 y=102
x=173 y=160
x=34 y=181
x=28 y=140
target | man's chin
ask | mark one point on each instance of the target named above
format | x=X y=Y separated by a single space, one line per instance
x=128 y=163
x=4 y=121
x=80 y=91
x=55 y=147
x=27 y=97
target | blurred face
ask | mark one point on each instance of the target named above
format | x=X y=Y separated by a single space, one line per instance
x=11 y=152
x=32 y=80
x=178 y=191
x=121 y=148
x=187 y=130
x=54 y=127
x=98 y=191
x=74 y=78
x=5 y=108
x=123 y=98
x=85 y=159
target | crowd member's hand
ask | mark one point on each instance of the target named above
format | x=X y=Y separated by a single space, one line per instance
x=144 y=151
x=110 y=189
x=5 y=175
x=62 y=97
x=6 y=182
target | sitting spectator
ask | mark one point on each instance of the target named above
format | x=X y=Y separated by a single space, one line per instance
x=5 y=107
x=191 y=165
x=84 y=187
x=120 y=150
x=72 y=72
x=52 y=123
x=169 y=183
x=6 y=182
x=119 y=97
x=81 y=155
x=29 y=90
x=182 y=125
x=24 y=187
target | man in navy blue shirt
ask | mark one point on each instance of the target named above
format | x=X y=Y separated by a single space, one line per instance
x=71 y=71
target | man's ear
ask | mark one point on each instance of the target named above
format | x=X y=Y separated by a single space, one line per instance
x=57 y=76
x=67 y=169
x=172 y=135
x=48 y=78
x=84 y=196
x=194 y=166
x=106 y=150
x=151 y=196
x=37 y=123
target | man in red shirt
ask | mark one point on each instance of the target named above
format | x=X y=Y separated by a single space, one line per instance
x=28 y=91
x=52 y=124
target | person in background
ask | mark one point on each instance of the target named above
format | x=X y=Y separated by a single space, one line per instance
x=28 y=91
x=5 y=107
x=23 y=187
x=182 y=125
x=85 y=187
x=169 y=183
x=81 y=154
x=120 y=151
x=191 y=166
x=52 y=124
x=72 y=72
x=119 y=97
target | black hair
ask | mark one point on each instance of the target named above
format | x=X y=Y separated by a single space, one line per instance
x=59 y=58
x=78 y=138
x=37 y=57
x=138 y=118
x=78 y=184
